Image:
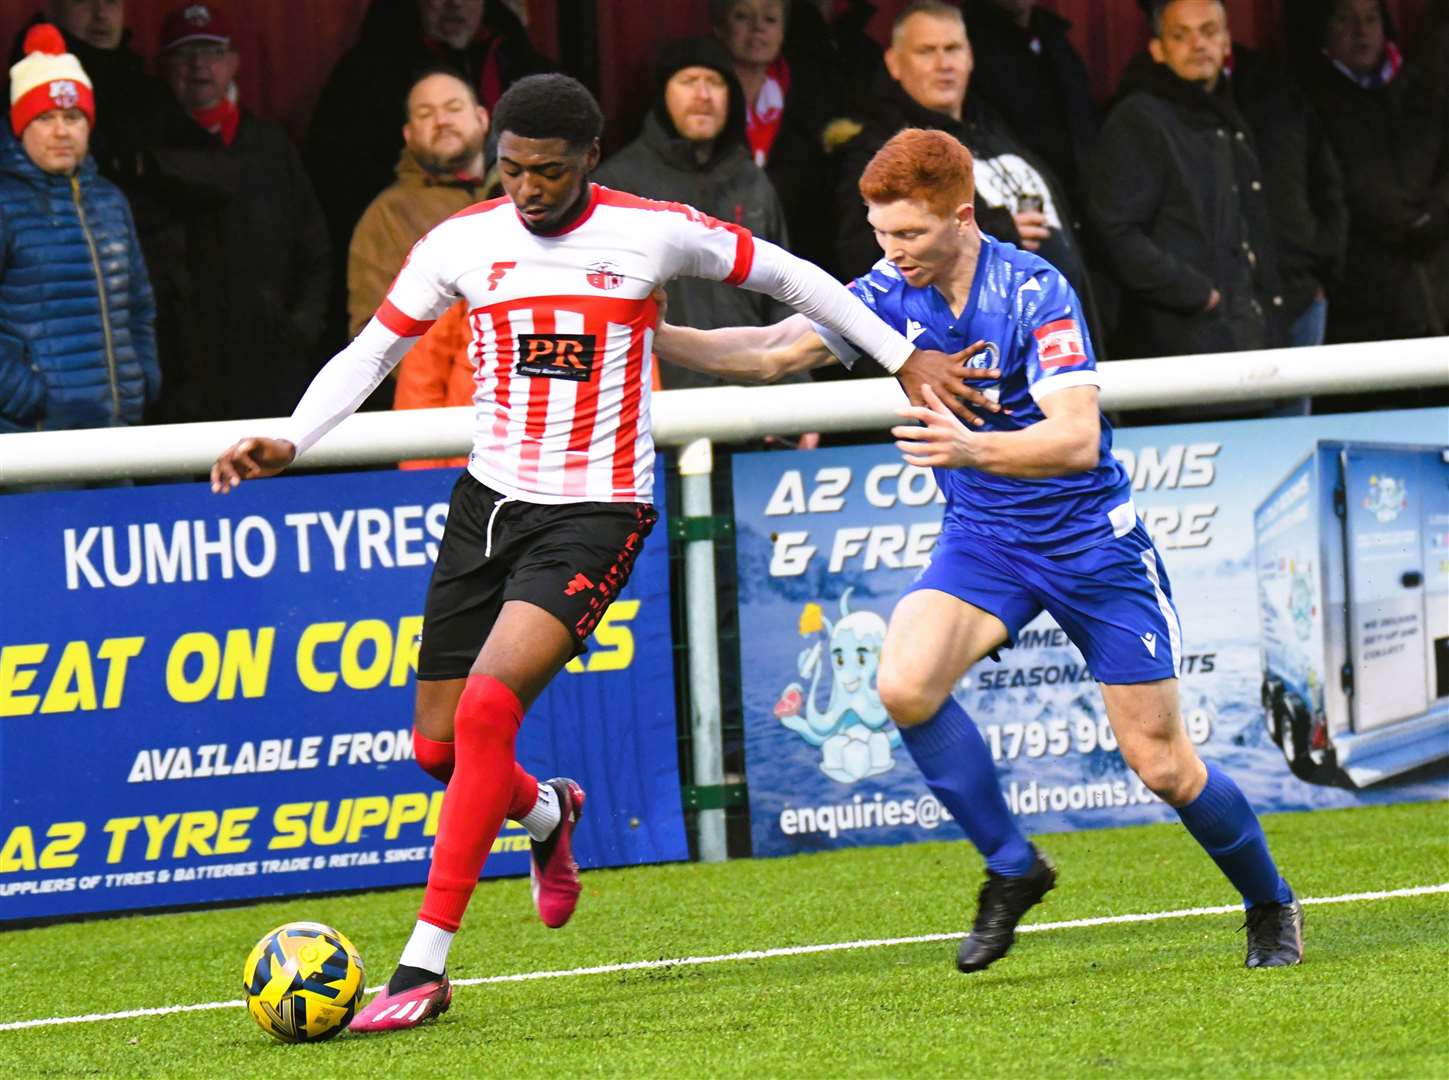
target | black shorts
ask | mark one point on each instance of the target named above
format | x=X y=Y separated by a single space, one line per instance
x=571 y=559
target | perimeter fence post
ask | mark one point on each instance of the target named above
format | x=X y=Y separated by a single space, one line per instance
x=696 y=464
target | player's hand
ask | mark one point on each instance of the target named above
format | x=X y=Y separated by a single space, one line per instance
x=1032 y=227
x=250 y=459
x=948 y=375
x=660 y=296
x=940 y=441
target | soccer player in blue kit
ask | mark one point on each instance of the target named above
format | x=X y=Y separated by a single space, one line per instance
x=1039 y=516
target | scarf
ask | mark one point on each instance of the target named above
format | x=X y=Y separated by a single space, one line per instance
x=221 y=119
x=763 y=115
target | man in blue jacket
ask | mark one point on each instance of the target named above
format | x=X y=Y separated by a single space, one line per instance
x=77 y=337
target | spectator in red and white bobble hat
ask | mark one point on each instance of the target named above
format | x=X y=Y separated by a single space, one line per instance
x=78 y=348
x=48 y=78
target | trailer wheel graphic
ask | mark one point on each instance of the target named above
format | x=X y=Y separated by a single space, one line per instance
x=1291 y=726
x=1311 y=764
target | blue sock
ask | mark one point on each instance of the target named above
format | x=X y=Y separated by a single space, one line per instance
x=1221 y=820
x=958 y=769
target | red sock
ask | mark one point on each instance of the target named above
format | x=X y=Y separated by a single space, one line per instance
x=477 y=799
x=435 y=757
x=525 y=793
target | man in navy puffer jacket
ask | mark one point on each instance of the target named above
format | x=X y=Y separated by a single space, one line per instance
x=77 y=337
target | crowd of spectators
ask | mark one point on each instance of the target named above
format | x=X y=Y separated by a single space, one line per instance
x=167 y=255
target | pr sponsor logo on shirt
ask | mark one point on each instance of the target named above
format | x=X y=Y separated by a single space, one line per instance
x=1059 y=345
x=557 y=356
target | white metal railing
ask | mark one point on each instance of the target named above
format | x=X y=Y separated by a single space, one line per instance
x=690 y=419
x=732 y=413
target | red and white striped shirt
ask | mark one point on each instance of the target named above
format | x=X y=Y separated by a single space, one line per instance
x=562 y=328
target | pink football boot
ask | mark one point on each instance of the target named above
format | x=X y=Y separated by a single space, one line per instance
x=553 y=873
x=405 y=1009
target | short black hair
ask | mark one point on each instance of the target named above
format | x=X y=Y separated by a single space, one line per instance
x=427 y=73
x=550 y=106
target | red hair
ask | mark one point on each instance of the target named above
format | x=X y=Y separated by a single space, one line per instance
x=925 y=165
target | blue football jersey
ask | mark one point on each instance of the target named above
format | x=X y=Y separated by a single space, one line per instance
x=1031 y=320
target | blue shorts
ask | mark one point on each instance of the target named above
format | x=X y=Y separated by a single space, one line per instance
x=1113 y=601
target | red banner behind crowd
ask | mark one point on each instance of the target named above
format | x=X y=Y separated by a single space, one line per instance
x=289 y=46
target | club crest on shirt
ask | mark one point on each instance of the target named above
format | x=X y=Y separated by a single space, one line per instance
x=989 y=357
x=63 y=93
x=557 y=356
x=604 y=275
x=1059 y=344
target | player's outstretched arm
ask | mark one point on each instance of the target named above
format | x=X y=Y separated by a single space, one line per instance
x=1067 y=441
x=338 y=389
x=250 y=459
x=813 y=292
x=746 y=354
x=417 y=297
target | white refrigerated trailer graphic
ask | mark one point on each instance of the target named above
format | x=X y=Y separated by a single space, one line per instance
x=1352 y=551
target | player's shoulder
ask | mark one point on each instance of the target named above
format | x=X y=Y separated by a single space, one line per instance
x=648 y=211
x=463 y=225
x=1031 y=283
x=460 y=233
x=477 y=212
x=881 y=286
x=1014 y=268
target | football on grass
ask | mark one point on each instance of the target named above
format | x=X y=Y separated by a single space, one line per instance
x=303 y=982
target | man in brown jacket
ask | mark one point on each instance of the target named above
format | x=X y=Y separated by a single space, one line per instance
x=440 y=171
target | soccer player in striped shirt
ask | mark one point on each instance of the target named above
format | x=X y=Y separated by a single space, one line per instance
x=1039 y=515
x=546 y=521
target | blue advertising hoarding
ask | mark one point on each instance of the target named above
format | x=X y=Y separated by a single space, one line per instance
x=828 y=539
x=208 y=699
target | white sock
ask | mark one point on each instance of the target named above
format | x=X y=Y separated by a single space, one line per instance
x=543 y=819
x=427 y=948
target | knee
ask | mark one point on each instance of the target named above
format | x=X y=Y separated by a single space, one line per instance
x=906 y=700
x=434 y=719
x=435 y=757
x=488 y=711
x=1172 y=777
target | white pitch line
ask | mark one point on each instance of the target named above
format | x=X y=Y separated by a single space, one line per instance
x=877 y=943
x=764 y=954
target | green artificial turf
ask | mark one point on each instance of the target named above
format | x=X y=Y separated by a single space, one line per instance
x=1166 y=998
